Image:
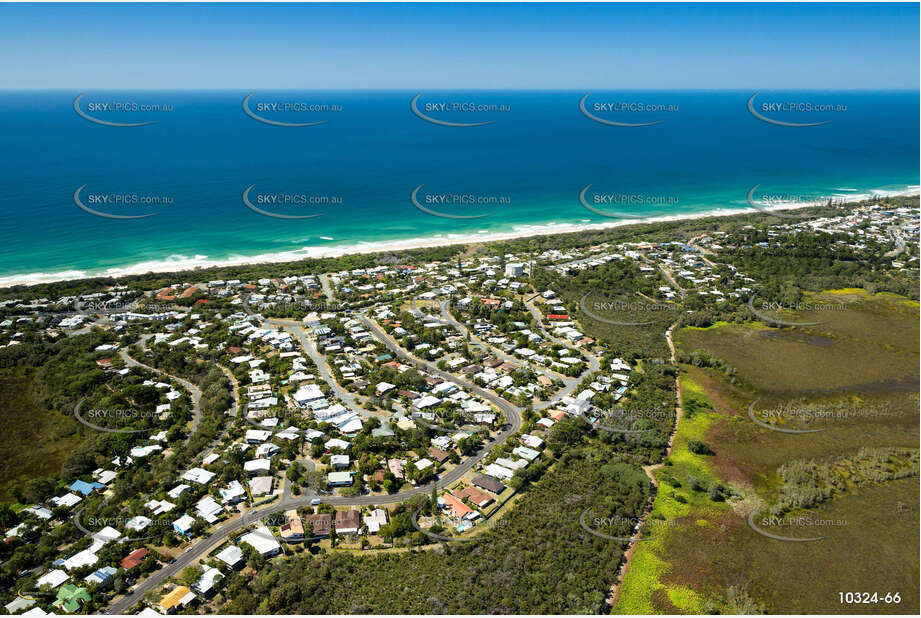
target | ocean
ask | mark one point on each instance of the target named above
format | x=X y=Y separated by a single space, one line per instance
x=392 y=169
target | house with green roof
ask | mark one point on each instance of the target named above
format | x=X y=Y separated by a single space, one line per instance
x=70 y=598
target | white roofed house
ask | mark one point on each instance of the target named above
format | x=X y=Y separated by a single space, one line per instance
x=336 y=443
x=256 y=436
x=257 y=467
x=52 y=579
x=384 y=387
x=208 y=509
x=178 y=490
x=263 y=541
x=375 y=519
x=499 y=472
x=267 y=450
x=313 y=434
x=68 y=500
x=331 y=412
x=425 y=467
x=198 y=475
x=510 y=464
x=206 y=583
x=80 y=559
x=531 y=441
x=339 y=479
x=104 y=536
x=578 y=407
x=526 y=453
x=107 y=476
x=231 y=555
x=261 y=485
x=39 y=511
x=138 y=523
x=308 y=393
x=184 y=524
x=426 y=402
x=445 y=388
x=159 y=507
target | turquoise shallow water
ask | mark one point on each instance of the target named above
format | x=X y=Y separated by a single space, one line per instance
x=371 y=151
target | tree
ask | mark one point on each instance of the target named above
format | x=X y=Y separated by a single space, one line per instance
x=191 y=574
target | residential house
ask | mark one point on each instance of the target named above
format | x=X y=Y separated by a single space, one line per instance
x=293 y=530
x=488 y=483
x=475 y=496
x=179 y=598
x=71 y=598
x=348 y=522
x=321 y=524
x=133 y=559
x=232 y=556
x=263 y=541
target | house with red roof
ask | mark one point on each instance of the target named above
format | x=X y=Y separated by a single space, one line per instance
x=133 y=559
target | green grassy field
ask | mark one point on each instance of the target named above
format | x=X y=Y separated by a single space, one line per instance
x=710 y=560
x=34 y=441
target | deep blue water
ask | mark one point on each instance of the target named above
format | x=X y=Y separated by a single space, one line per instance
x=539 y=154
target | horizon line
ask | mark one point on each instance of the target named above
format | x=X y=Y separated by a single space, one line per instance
x=461 y=88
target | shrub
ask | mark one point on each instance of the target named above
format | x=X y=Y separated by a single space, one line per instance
x=699 y=448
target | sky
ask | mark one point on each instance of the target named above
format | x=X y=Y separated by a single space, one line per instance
x=459 y=46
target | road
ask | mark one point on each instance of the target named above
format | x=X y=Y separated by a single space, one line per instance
x=232 y=412
x=569 y=384
x=594 y=363
x=348 y=399
x=512 y=413
x=900 y=247
x=220 y=534
x=671 y=280
x=286 y=487
x=460 y=326
x=327 y=288
x=193 y=390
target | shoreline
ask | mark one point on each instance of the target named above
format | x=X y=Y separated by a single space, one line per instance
x=184 y=263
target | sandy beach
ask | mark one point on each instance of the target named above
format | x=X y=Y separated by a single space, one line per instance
x=178 y=263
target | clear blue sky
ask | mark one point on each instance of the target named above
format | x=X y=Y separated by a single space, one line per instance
x=550 y=46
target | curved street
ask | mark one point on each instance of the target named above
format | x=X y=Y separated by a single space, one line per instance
x=220 y=534
x=194 y=391
x=464 y=330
